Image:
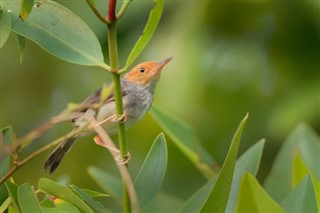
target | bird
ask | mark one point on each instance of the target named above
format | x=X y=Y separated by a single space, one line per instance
x=137 y=88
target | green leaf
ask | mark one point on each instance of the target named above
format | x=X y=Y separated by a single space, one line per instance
x=6 y=133
x=92 y=193
x=218 y=197
x=253 y=198
x=58 y=31
x=248 y=162
x=300 y=170
x=5 y=26
x=185 y=139
x=96 y=206
x=13 y=192
x=302 y=140
x=5 y=205
x=27 y=199
x=302 y=198
x=316 y=184
x=152 y=172
x=195 y=202
x=148 y=31
x=62 y=192
x=25 y=10
x=107 y=182
x=22 y=44
x=63 y=207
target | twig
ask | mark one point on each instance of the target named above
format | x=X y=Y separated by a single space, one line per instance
x=19 y=164
x=122 y=168
x=96 y=12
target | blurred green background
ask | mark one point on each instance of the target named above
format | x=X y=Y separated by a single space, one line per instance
x=230 y=58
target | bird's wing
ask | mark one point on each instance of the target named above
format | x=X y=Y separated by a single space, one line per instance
x=94 y=98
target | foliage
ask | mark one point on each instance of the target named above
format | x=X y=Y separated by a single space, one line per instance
x=293 y=183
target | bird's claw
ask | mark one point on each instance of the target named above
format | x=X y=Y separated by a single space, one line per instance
x=123 y=160
x=121 y=118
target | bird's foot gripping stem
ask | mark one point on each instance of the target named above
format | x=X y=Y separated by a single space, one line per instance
x=121 y=118
x=121 y=160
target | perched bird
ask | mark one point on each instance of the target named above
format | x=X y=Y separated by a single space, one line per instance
x=137 y=88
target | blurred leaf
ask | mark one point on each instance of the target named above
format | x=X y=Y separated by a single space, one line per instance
x=22 y=44
x=302 y=140
x=5 y=160
x=59 y=31
x=218 y=197
x=96 y=206
x=316 y=184
x=27 y=199
x=5 y=205
x=107 y=182
x=152 y=172
x=13 y=192
x=5 y=26
x=195 y=202
x=253 y=198
x=185 y=139
x=25 y=10
x=46 y=202
x=300 y=170
x=147 y=33
x=172 y=203
x=302 y=198
x=92 y=193
x=63 y=207
x=62 y=192
x=248 y=162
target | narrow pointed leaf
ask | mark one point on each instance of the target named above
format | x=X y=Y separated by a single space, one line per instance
x=302 y=140
x=5 y=205
x=92 y=193
x=22 y=44
x=185 y=139
x=96 y=206
x=151 y=174
x=59 y=191
x=302 y=198
x=27 y=199
x=299 y=171
x=25 y=10
x=248 y=162
x=316 y=184
x=151 y=26
x=253 y=198
x=58 y=31
x=13 y=192
x=218 y=197
x=107 y=182
x=196 y=201
x=5 y=26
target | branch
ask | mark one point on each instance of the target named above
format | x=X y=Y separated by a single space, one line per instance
x=112 y=10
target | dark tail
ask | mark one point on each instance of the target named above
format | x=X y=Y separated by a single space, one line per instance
x=58 y=153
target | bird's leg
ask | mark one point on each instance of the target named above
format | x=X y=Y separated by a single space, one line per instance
x=121 y=160
x=110 y=118
x=122 y=118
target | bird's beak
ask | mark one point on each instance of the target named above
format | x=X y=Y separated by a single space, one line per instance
x=160 y=65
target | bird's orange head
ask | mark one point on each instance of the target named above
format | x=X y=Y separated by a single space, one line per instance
x=146 y=73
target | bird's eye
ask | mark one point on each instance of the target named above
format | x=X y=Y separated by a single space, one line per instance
x=141 y=69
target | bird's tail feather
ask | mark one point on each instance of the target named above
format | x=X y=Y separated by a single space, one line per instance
x=58 y=153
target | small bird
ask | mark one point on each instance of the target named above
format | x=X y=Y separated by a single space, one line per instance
x=137 y=88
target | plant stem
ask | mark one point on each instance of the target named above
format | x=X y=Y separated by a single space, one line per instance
x=114 y=64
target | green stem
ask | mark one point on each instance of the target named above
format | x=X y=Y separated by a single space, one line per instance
x=114 y=64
